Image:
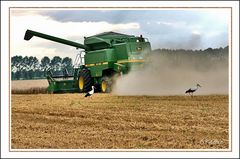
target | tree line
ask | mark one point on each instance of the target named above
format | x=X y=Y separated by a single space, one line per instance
x=201 y=60
x=207 y=53
x=31 y=68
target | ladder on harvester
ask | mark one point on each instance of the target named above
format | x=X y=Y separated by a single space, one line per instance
x=79 y=60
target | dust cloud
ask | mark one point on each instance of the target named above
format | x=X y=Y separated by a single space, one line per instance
x=174 y=73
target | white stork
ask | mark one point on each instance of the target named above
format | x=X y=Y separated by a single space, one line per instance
x=191 y=90
x=90 y=92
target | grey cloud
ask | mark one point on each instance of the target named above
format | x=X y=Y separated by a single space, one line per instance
x=160 y=34
x=123 y=16
x=113 y=16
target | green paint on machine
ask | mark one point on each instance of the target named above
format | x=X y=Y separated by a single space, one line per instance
x=106 y=54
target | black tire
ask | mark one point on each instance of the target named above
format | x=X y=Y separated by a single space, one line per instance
x=106 y=85
x=85 y=81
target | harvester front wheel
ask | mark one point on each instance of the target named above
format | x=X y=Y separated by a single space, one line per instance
x=106 y=85
x=85 y=81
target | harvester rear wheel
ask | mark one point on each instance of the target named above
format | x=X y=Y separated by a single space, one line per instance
x=85 y=80
x=106 y=85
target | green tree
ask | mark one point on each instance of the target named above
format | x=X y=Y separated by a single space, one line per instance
x=55 y=64
x=16 y=67
x=67 y=65
x=45 y=63
x=25 y=68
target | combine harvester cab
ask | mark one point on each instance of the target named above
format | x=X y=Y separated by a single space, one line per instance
x=105 y=55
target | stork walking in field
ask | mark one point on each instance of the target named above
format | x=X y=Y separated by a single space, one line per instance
x=194 y=89
x=90 y=92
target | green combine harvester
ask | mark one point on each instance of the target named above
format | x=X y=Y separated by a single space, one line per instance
x=102 y=56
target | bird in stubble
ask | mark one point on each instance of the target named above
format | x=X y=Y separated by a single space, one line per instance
x=90 y=93
x=190 y=91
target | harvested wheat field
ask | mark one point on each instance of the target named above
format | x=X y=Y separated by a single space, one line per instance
x=104 y=121
x=29 y=86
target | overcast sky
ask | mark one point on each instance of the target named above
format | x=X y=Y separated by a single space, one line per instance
x=173 y=29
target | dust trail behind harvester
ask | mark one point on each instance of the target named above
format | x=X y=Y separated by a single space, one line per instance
x=173 y=73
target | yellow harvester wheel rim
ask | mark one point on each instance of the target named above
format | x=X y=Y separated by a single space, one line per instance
x=104 y=86
x=81 y=83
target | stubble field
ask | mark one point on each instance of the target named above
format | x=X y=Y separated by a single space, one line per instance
x=105 y=121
